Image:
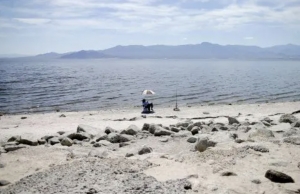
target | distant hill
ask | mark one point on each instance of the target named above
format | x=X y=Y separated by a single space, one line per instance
x=204 y=50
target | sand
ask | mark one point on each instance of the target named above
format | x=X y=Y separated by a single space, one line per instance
x=171 y=164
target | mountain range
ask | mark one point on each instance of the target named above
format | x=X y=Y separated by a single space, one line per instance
x=204 y=50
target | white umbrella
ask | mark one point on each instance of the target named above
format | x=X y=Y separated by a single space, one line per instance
x=148 y=92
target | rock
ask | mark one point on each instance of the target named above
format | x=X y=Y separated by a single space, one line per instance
x=118 y=138
x=109 y=130
x=23 y=117
x=260 y=133
x=146 y=127
x=62 y=115
x=296 y=124
x=256 y=181
x=192 y=139
x=228 y=173
x=2 y=150
x=288 y=118
x=66 y=141
x=259 y=148
x=232 y=120
x=239 y=141
x=131 y=130
x=278 y=177
x=4 y=183
x=53 y=141
x=164 y=140
x=153 y=128
x=104 y=142
x=145 y=150
x=223 y=128
x=187 y=186
x=101 y=136
x=175 y=129
x=123 y=144
x=79 y=136
x=129 y=155
x=267 y=119
x=190 y=127
x=266 y=123
x=183 y=124
x=88 y=129
x=203 y=143
x=14 y=138
x=11 y=143
x=292 y=132
x=28 y=139
x=233 y=135
x=47 y=137
x=42 y=141
x=161 y=131
x=11 y=148
x=195 y=130
x=61 y=132
x=96 y=145
x=292 y=140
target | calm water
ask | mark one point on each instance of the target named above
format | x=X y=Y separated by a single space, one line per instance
x=74 y=85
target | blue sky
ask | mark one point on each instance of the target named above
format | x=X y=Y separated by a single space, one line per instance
x=40 y=26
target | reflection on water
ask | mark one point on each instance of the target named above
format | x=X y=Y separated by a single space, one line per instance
x=74 y=85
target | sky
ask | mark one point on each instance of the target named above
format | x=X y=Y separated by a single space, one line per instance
x=40 y=26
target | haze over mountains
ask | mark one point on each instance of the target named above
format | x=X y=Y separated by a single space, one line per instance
x=204 y=50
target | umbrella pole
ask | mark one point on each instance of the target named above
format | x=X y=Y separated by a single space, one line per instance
x=176 y=107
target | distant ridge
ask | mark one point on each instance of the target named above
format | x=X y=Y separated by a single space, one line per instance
x=204 y=50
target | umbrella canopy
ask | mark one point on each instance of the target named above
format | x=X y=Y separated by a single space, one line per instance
x=148 y=92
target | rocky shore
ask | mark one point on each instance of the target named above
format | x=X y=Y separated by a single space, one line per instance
x=209 y=149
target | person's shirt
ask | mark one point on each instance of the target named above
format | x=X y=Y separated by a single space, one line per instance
x=145 y=103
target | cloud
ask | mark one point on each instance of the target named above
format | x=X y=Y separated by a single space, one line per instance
x=36 y=21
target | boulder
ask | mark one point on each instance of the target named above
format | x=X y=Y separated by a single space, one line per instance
x=203 y=143
x=183 y=124
x=292 y=140
x=296 y=124
x=109 y=130
x=192 y=139
x=66 y=141
x=88 y=129
x=28 y=139
x=101 y=136
x=146 y=127
x=145 y=150
x=292 y=132
x=175 y=129
x=14 y=138
x=232 y=120
x=118 y=138
x=161 y=131
x=260 y=133
x=195 y=130
x=278 y=177
x=10 y=148
x=4 y=183
x=131 y=130
x=53 y=141
x=288 y=118
x=79 y=136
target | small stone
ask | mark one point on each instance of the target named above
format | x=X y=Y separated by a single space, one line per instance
x=2 y=165
x=131 y=130
x=228 y=173
x=145 y=150
x=14 y=138
x=187 y=186
x=259 y=148
x=105 y=143
x=129 y=155
x=288 y=118
x=66 y=141
x=109 y=130
x=278 y=177
x=42 y=141
x=206 y=113
x=299 y=165
x=239 y=141
x=164 y=140
x=203 y=143
x=175 y=129
x=62 y=115
x=123 y=144
x=161 y=132
x=192 y=139
x=195 y=130
x=96 y=145
x=61 y=132
x=53 y=141
x=13 y=148
x=4 y=183
x=23 y=117
x=232 y=120
x=296 y=124
x=256 y=181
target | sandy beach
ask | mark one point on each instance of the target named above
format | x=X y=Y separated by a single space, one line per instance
x=203 y=149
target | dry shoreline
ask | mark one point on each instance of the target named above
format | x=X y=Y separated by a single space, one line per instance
x=172 y=158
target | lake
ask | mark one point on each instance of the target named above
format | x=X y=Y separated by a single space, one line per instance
x=97 y=84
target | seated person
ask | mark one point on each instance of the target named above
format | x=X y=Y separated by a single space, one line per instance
x=148 y=107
